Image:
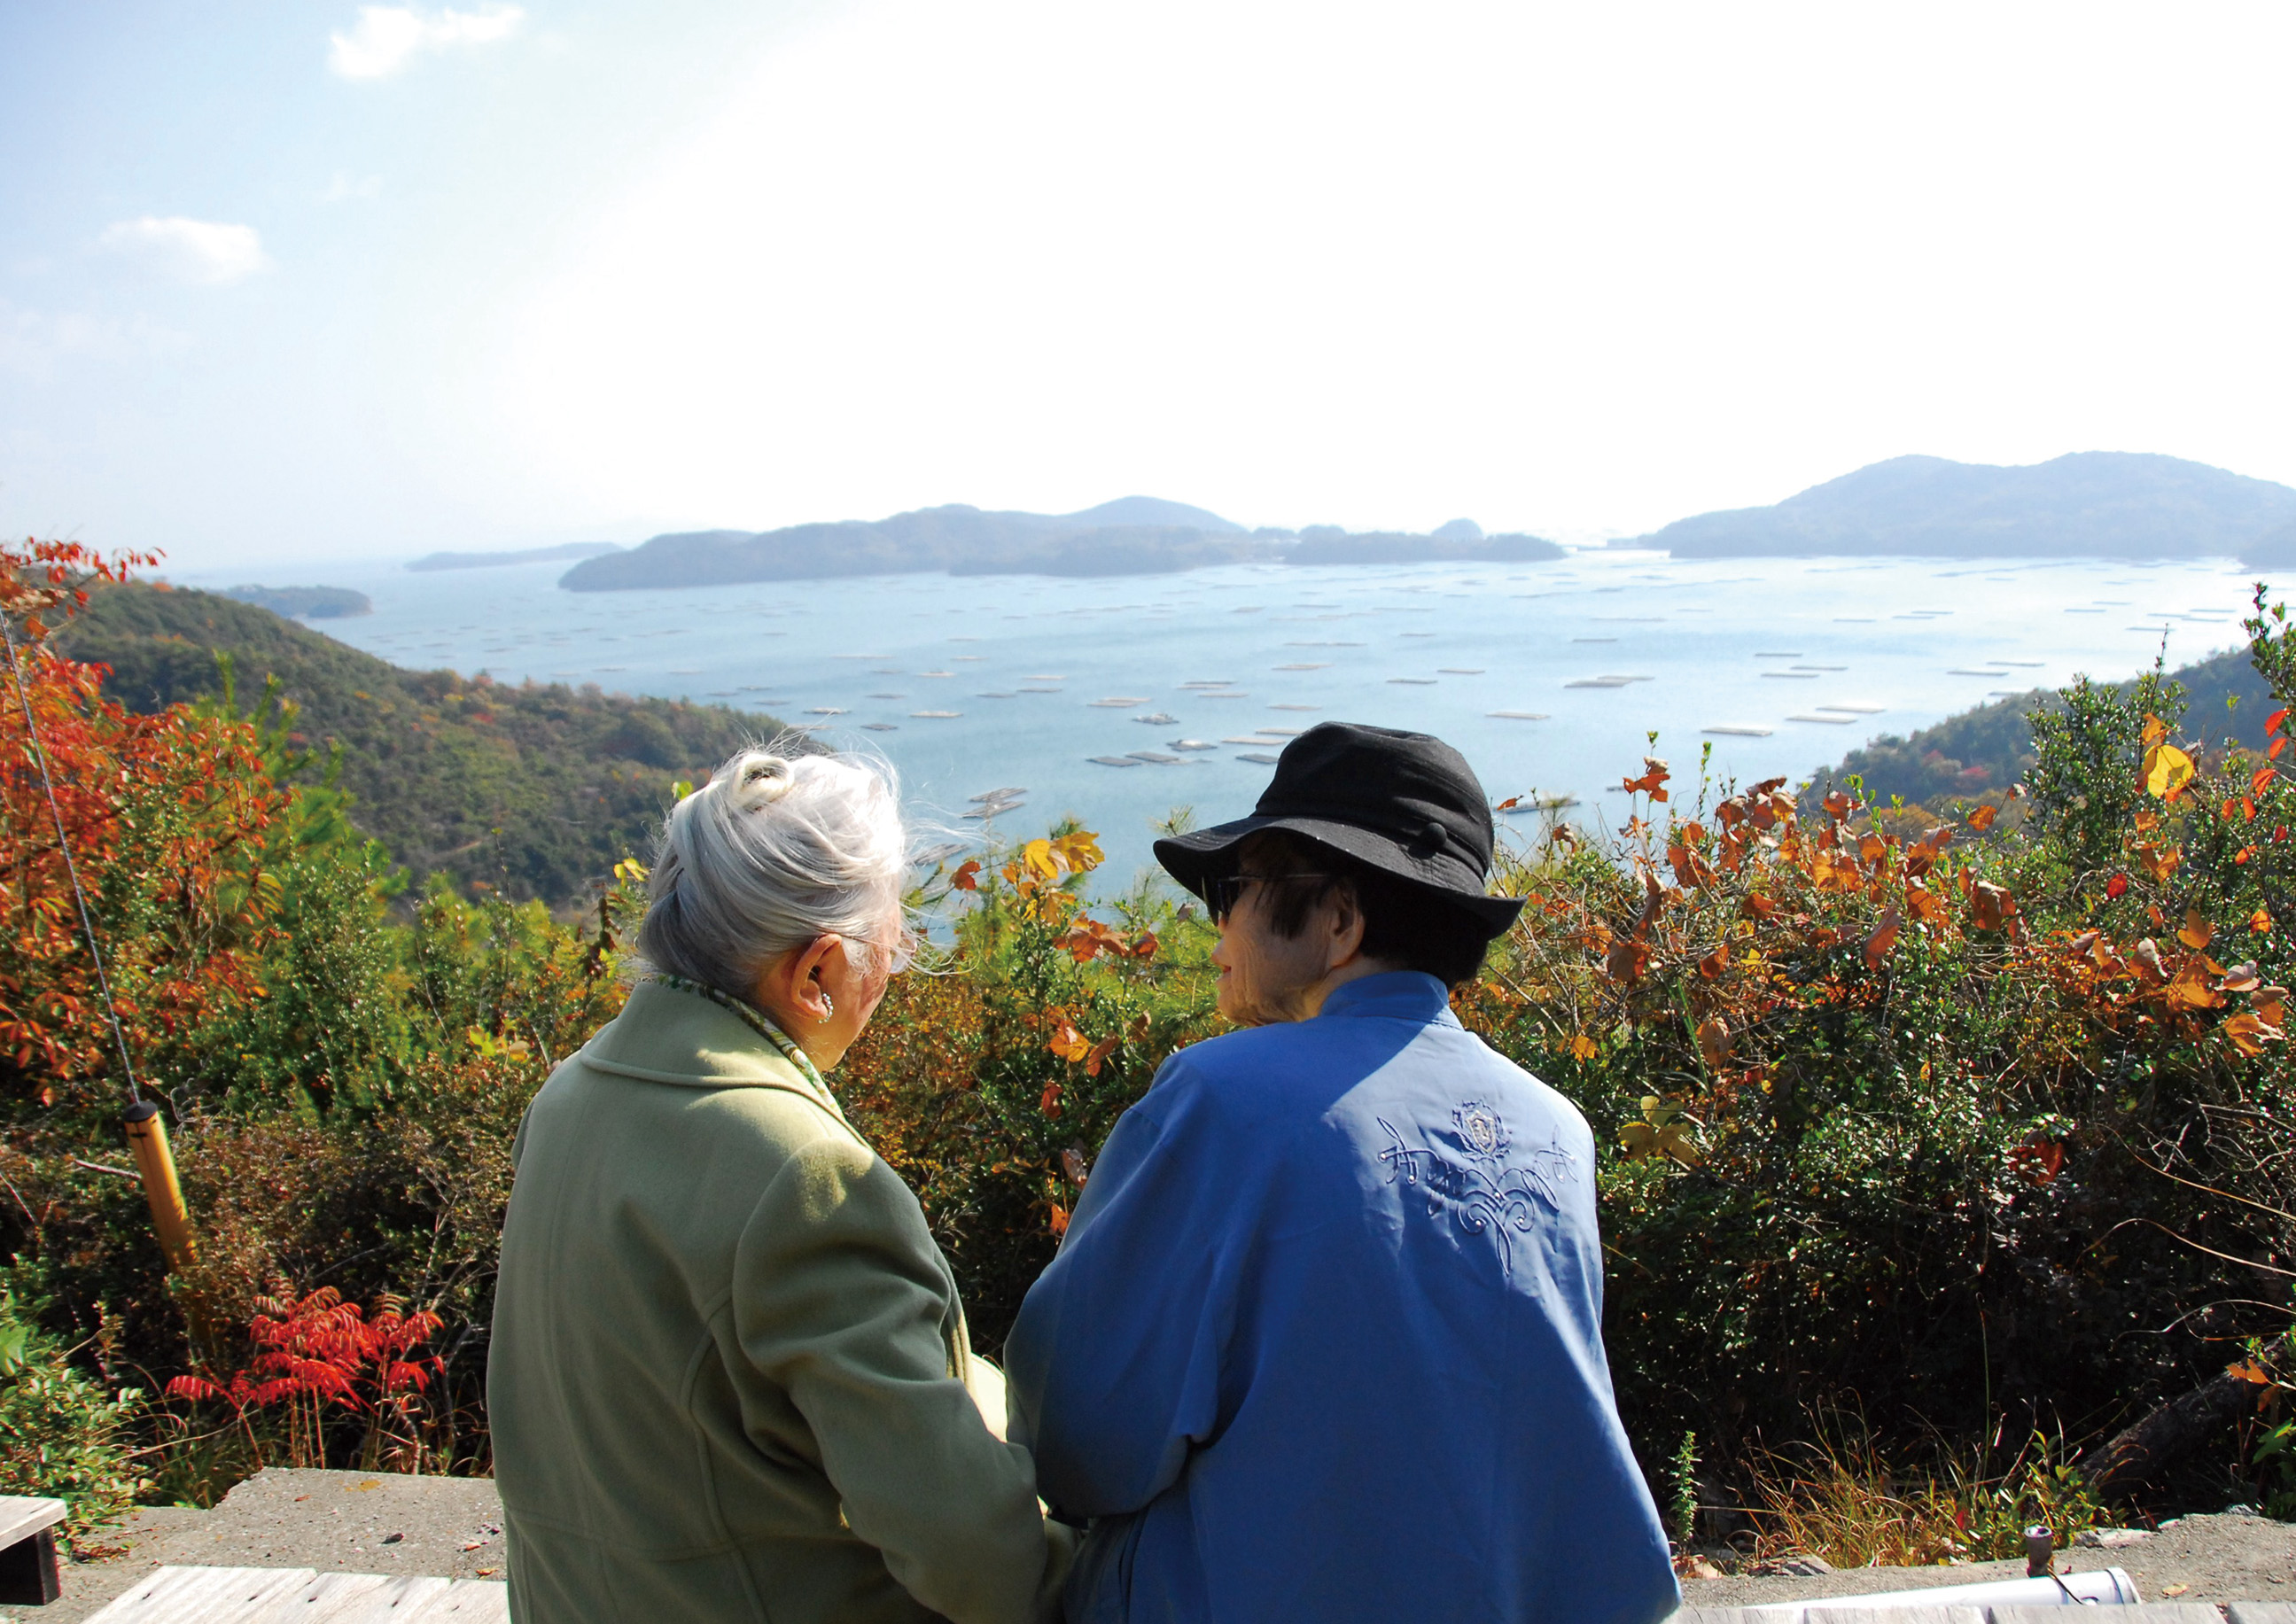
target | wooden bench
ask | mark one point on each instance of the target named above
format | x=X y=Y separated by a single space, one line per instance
x=274 y=1596
x=27 y=1549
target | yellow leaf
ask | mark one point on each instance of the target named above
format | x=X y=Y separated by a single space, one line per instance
x=1038 y=856
x=2156 y=731
x=2167 y=770
x=2197 y=933
x=1582 y=1047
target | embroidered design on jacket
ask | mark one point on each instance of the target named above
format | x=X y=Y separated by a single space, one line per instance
x=1489 y=1192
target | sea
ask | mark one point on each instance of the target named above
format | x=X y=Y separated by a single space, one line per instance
x=1007 y=702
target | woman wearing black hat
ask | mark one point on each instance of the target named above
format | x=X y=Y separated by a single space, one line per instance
x=1324 y=1339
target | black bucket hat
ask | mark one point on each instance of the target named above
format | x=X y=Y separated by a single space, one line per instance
x=1403 y=803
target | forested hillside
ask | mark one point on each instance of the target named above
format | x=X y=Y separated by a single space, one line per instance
x=1990 y=747
x=537 y=789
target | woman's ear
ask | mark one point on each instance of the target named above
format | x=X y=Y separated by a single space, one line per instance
x=798 y=979
x=1346 y=925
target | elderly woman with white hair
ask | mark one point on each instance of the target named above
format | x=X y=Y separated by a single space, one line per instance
x=730 y=1377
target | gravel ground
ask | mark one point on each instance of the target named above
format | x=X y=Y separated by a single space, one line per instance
x=2224 y=1558
x=336 y=1521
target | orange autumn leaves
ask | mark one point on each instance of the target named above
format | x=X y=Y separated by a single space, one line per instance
x=1038 y=877
x=1760 y=840
x=1039 y=872
x=2179 y=989
x=1766 y=908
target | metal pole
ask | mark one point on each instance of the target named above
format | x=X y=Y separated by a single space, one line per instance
x=148 y=1137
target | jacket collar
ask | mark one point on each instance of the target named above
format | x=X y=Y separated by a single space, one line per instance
x=1397 y=995
x=665 y=1035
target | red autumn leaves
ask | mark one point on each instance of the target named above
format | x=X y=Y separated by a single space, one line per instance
x=323 y=1349
x=168 y=817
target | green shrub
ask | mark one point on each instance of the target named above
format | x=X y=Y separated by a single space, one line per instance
x=61 y=1433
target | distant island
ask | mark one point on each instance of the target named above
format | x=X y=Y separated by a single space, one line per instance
x=304 y=602
x=1131 y=535
x=1462 y=538
x=529 y=555
x=2090 y=503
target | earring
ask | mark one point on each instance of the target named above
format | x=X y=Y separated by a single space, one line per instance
x=828 y=1006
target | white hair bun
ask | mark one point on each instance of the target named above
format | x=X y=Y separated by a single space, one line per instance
x=757 y=780
x=732 y=889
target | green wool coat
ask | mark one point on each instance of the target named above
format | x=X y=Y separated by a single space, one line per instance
x=730 y=1378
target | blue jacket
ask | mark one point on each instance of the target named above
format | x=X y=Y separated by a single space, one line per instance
x=1323 y=1341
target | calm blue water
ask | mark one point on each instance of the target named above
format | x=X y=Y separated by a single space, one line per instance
x=1236 y=656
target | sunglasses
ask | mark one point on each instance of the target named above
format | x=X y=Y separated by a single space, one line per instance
x=1222 y=895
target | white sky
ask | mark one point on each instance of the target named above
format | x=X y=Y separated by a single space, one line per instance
x=295 y=282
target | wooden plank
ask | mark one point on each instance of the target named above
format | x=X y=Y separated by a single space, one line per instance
x=203 y=1595
x=2147 y=1613
x=467 y=1601
x=23 y=1515
x=299 y=1595
x=388 y=1602
x=329 y=1597
x=2263 y=1612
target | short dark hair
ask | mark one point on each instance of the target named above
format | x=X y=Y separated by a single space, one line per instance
x=1404 y=924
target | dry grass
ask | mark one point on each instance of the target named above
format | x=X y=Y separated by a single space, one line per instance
x=1844 y=1502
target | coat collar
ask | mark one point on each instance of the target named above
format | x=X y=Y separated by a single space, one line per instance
x=1400 y=995
x=665 y=1035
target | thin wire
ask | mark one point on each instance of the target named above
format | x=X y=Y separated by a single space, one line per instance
x=87 y=924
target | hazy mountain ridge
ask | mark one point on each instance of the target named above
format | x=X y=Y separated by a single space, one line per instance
x=1131 y=535
x=2088 y=503
x=1327 y=545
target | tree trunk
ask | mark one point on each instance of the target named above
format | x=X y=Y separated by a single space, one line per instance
x=2172 y=1432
